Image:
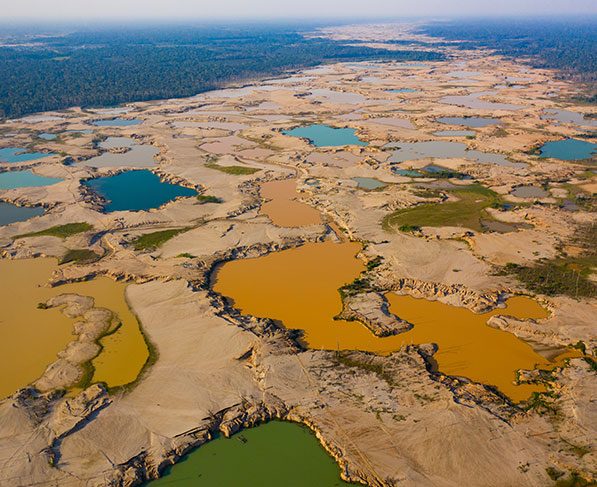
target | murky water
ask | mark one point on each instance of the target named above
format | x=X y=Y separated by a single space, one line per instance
x=528 y=192
x=454 y=133
x=117 y=122
x=369 y=183
x=282 y=208
x=566 y=116
x=138 y=155
x=20 y=154
x=326 y=136
x=10 y=213
x=501 y=227
x=48 y=136
x=409 y=151
x=469 y=121
x=273 y=454
x=299 y=288
x=341 y=97
x=30 y=337
x=472 y=101
x=24 y=179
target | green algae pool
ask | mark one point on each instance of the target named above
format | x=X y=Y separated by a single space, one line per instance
x=274 y=454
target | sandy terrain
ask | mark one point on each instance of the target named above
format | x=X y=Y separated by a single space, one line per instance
x=216 y=370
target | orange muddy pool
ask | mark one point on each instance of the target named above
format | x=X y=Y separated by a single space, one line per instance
x=299 y=287
x=282 y=208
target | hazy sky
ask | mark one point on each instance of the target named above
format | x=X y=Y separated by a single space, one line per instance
x=205 y=9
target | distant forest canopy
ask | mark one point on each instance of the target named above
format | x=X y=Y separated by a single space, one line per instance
x=568 y=44
x=109 y=66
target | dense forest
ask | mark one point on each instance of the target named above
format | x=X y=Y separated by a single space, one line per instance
x=567 y=44
x=108 y=66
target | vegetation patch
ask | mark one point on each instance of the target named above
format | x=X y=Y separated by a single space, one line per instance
x=466 y=212
x=355 y=287
x=61 y=231
x=235 y=170
x=204 y=198
x=568 y=275
x=79 y=256
x=349 y=360
x=154 y=240
x=575 y=480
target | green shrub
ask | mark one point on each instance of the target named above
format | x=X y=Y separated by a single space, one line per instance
x=61 y=231
x=156 y=239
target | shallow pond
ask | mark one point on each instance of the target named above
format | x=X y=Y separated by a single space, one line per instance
x=136 y=191
x=403 y=65
x=48 y=136
x=20 y=154
x=569 y=149
x=454 y=133
x=30 y=337
x=528 y=192
x=464 y=74
x=24 y=179
x=117 y=122
x=469 y=121
x=272 y=454
x=338 y=96
x=408 y=151
x=566 y=116
x=138 y=155
x=407 y=172
x=232 y=126
x=10 y=213
x=299 y=287
x=472 y=101
x=369 y=183
x=326 y=136
x=501 y=227
x=396 y=122
x=282 y=207
x=403 y=90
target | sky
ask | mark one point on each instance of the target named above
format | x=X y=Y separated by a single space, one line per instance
x=265 y=9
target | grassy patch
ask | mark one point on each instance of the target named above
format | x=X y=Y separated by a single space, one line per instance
x=204 y=198
x=373 y=263
x=540 y=403
x=235 y=170
x=569 y=275
x=466 y=212
x=186 y=255
x=80 y=256
x=348 y=360
x=355 y=287
x=61 y=231
x=156 y=239
x=574 y=480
